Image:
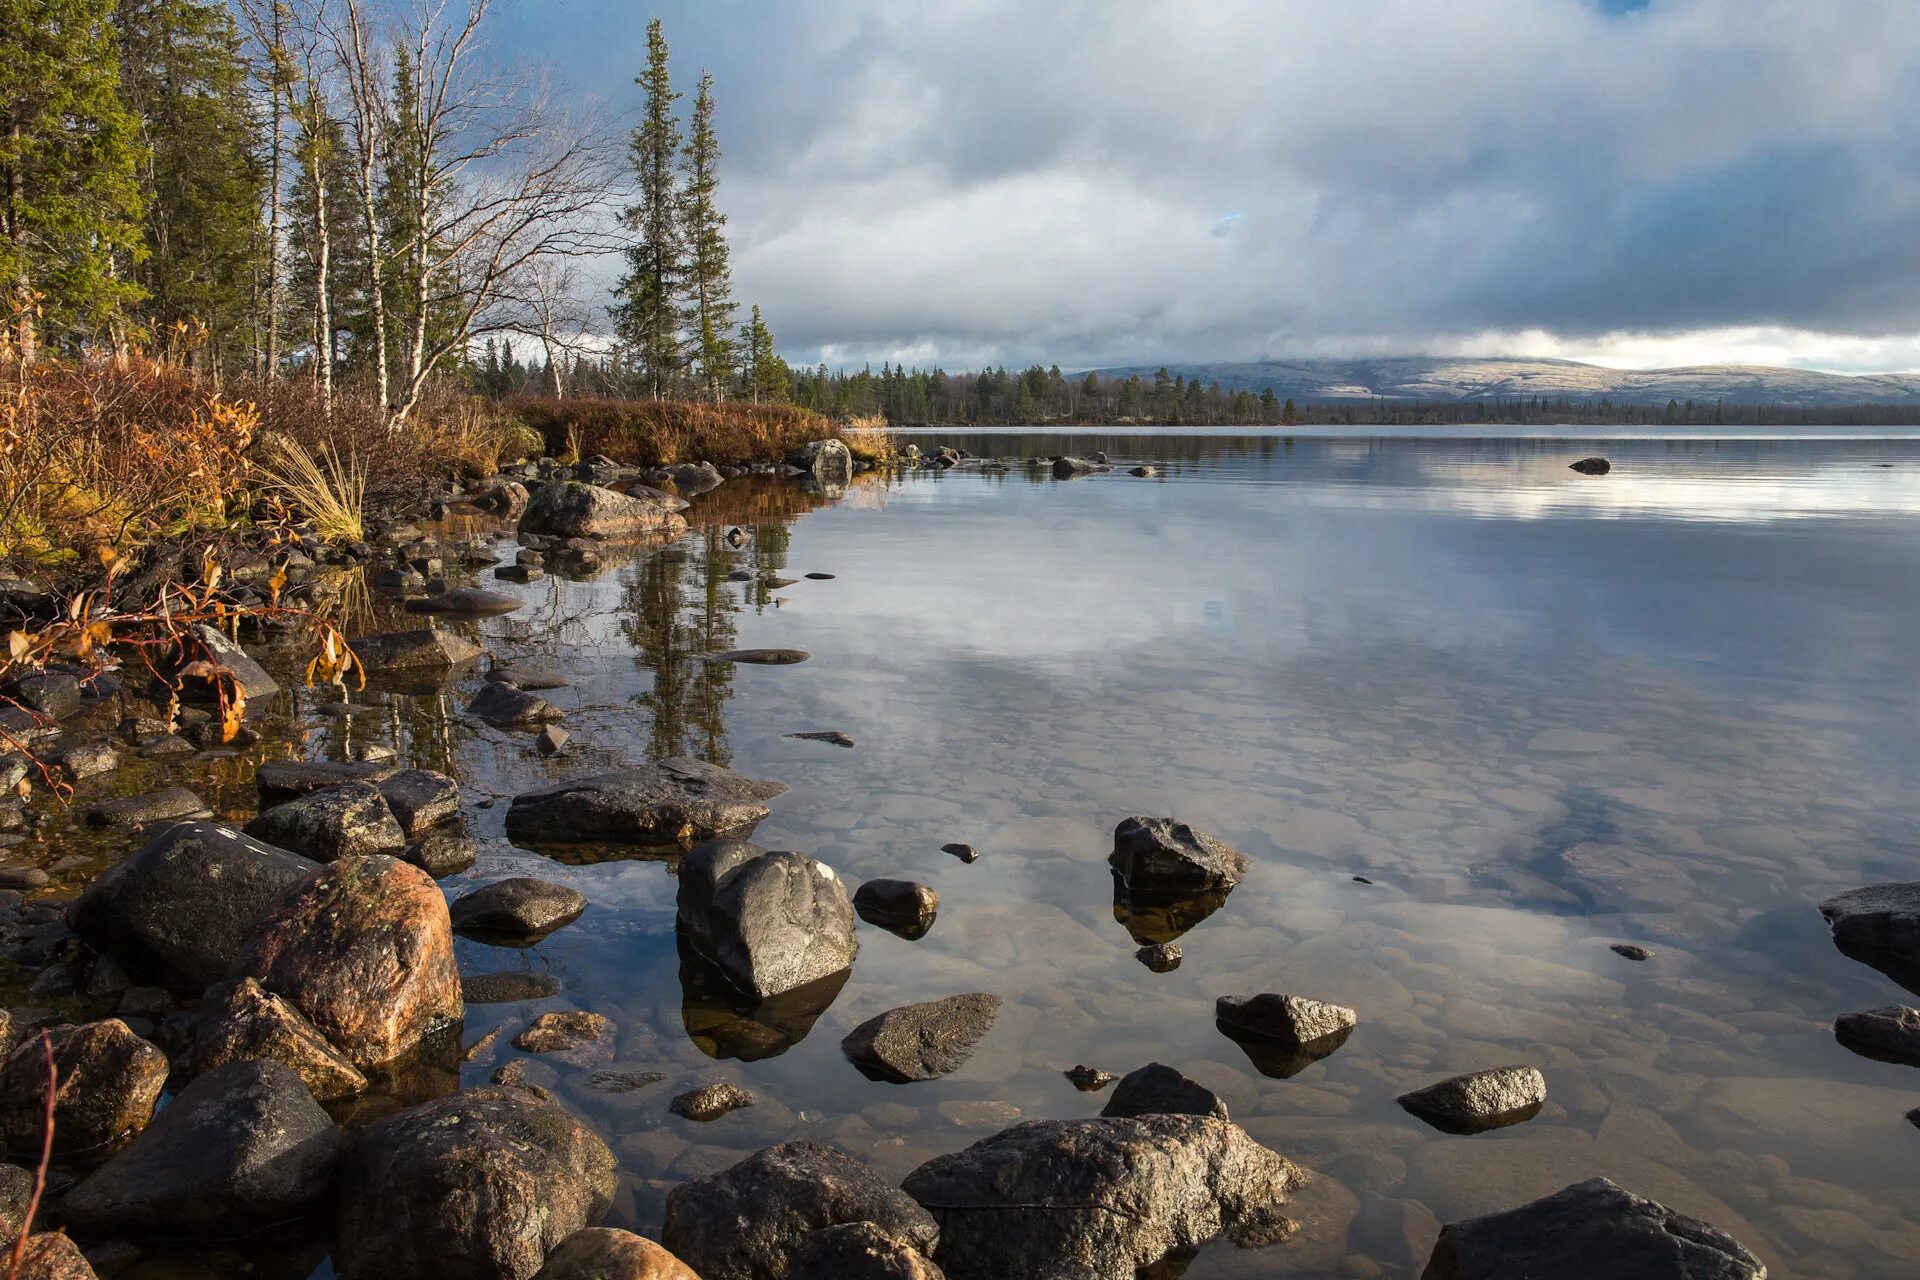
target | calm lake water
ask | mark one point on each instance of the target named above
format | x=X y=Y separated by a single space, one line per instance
x=1539 y=712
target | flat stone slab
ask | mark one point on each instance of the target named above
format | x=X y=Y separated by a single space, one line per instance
x=761 y=657
x=679 y=800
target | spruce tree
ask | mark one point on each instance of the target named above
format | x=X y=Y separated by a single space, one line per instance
x=764 y=374
x=647 y=314
x=69 y=194
x=710 y=304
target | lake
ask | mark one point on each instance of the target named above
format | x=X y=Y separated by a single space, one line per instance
x=1472 y=716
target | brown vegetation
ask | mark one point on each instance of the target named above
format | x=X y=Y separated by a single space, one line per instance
x=663 y=432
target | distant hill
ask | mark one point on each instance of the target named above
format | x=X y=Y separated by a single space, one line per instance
x=1480 y=378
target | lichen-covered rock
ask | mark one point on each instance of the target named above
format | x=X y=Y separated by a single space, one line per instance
x=349 y=821
x=921 y=1041
x=364 y=949
x=710 y=1102
x=481 y=1185
x=110 y=1081
x=746 y=1222
x=241 y=1149
x=602 y=1253
x=1100 y=1199
x=679 y=800
x=569 y=509
x=178 y=912
x=770 y=921
x=251 y=1023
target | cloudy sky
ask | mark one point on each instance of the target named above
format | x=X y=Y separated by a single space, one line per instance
x=1644 y=182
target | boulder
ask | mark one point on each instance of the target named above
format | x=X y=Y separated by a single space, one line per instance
x=251 y=1023
x=254 y=683
x=1592 y=1230
x=677 y=800
x=859 y=1251
x=1878 y=924
x=1591 y=466
x=179 y=912
x=770 y=921
x=1100 y=1199
x=905 y=907
x=602 y=1253
x=110 y=1081
x=694 y=477
x=520 y=907
x=350 y=821
x=279 y=781
x=1888 y=1034
x=502 y=497
x=441 y=853
x=1157 y=1089
x=1066 y=467
x=54 y=694
x=53 y=1256
x=505 y=707
x=921 y=1041
x=746 y=1222
x=420 y=798
x=364 y=949
x=481 y=1185
x=1162 y=856
x=827 y=462
x=427 y=651
x=569 y=509
x=243 y=1148
x=1480 y=1100
x=1283 y=1035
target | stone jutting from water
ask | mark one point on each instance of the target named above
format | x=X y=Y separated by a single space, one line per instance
x=1480 y=1100
x=1888 y=1034
x=678 y=800
x=279 y=781
x=1591 y=466
x=1881 y=919
x=602 y=1253
x=746 y=1223
x=179 y=912
x=770 y=921
x=569 y=509
x=110 y=1081
x=420 y=799
x=251 y=1023
x=905 y=907
x=1163 y=856
x=1100 y=1199
x=921 y=1041
x=485 y=1183
x=339 y=822
x=827 y=462
x=364 y=949
x=1286 y=1020
x=505 y=706
x=519 y=907
x=427 y=651
x=1157 y=1089
x=242 y=1148
x=1592 y=1230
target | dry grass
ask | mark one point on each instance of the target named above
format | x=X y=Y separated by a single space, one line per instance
x=663 y=432
x=328 y=489
x=870 y=440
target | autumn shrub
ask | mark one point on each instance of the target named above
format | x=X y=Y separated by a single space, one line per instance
x=664 y=432
x=870 y=440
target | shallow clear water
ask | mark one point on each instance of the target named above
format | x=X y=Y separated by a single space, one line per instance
x=1540 y=712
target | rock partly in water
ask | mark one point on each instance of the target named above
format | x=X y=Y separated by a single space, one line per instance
x=1888 y=1034
x=526 y=676
x=505 y=707
x=569 y=509
x=565 y=1031
x=1592 y=1230
x=921 y=1041
x=964 y=852
x=520 y=908
x=905 y=907
x=1161 y=957
x=110 y=1082
x=364 y=949
x=1631 y=950
x=251 y=1023
x=1283 y=1035
x=485 y=1183
x=1880 y=926
x=603 y=1253
x=1480 y=1100
x=249 y=677
x=1100 y=1199
x=420 y=799
x=833 y=736
x=679 y=800
x=1163 y=856
x=349 y=821
x=241 y=1149
x=710 y=1102
x=170 y=804
x=746 y=1223
x=859 y=1251
x=426 y=652
x=761 y=657
x=827 y=462
x=1089 y=1079
x=508 y=988
x=770 y=921
x=475 y=602
x=279 y=781
x=1157 y=1089
x=1591 y=466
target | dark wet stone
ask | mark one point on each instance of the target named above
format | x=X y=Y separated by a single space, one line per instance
x=1100 y=1199
x=677 y=800
x=420 y=798
x=710 y=1102
x=1154 y=917
x=279 y=781
x=364 y=949
x=251 y=678
x=770 y=921
x=172 y=804
x=820 y=577
x=1591 y=466
x=1162 y=856
x=505 y=707
x=441 y=853
x=110 y=1081
x=487 y=1182
x=251 y=1023
x=905 y=907
x=1142 y=471
x=725 y=1023
x=1161 y=957
x=426 y=652
x=551 y=740
x=519 y=907
x=1089 y=1079
x=833 y=736
x=603 y=1253
x=522 y=573
x=241 y=1149
x=921 y=1041
x=745 y=1223
x=1592 y=1230
x=1480 y=1100
x=54 y=694
x=1066 y=467
x=569 y=509
x=526 y=676
x=1283 y=1035
x=859 y=1251
x=475 y=602
x=1880 y=926
x=508 y=988
x=347 y=821
x=1630 y=950
x=179 y=912
x=1888 y=1034
x=761 y=657
x=964 y=852
x=1157 y=1089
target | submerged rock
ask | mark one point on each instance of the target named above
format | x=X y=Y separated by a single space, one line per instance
x=833 y=736
x=905 y=907
x=603 y=1253
x=678 y=800
x=1592 y=1230
x=470 y=601
x=921 y=1041
x=1480 y=1100
x=485 y=1183
x=1889 y=1034
x=569 y=509
x=1157 y=1089
x=710 y=1102
x=859 y=1251
x=569 y=1031
x=1100 y=1199
x=770 y=921
x=241 y=1149
x=347 y=821
x=170 y=804
x=526 y=676
x=519 y=907
x=761 y=657
x=110 y=1082
x=252 y=1023
x=508 y=988
x=747 y=1222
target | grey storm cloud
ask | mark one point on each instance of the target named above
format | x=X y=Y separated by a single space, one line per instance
x=1089 y=182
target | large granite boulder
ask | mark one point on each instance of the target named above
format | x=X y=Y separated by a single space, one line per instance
x=921 y=1041
x=110 y=1082
x=482 y=1185
x=177 y=913
x=250 y=1023
x=827 y=462
x=1162 y=856
x=602 y=1253
x=679 y=800
x=770 y=921
x=1592 y=1230
x=243 y=1148
x=349 y=821
x=569 y=509
x=1100 y=1199
x=364 y=949
x=746 y=1222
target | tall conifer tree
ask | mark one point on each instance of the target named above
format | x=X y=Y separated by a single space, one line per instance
x=648 y=314
x=710 y=305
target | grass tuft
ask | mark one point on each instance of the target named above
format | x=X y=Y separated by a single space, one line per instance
x=329 y=490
